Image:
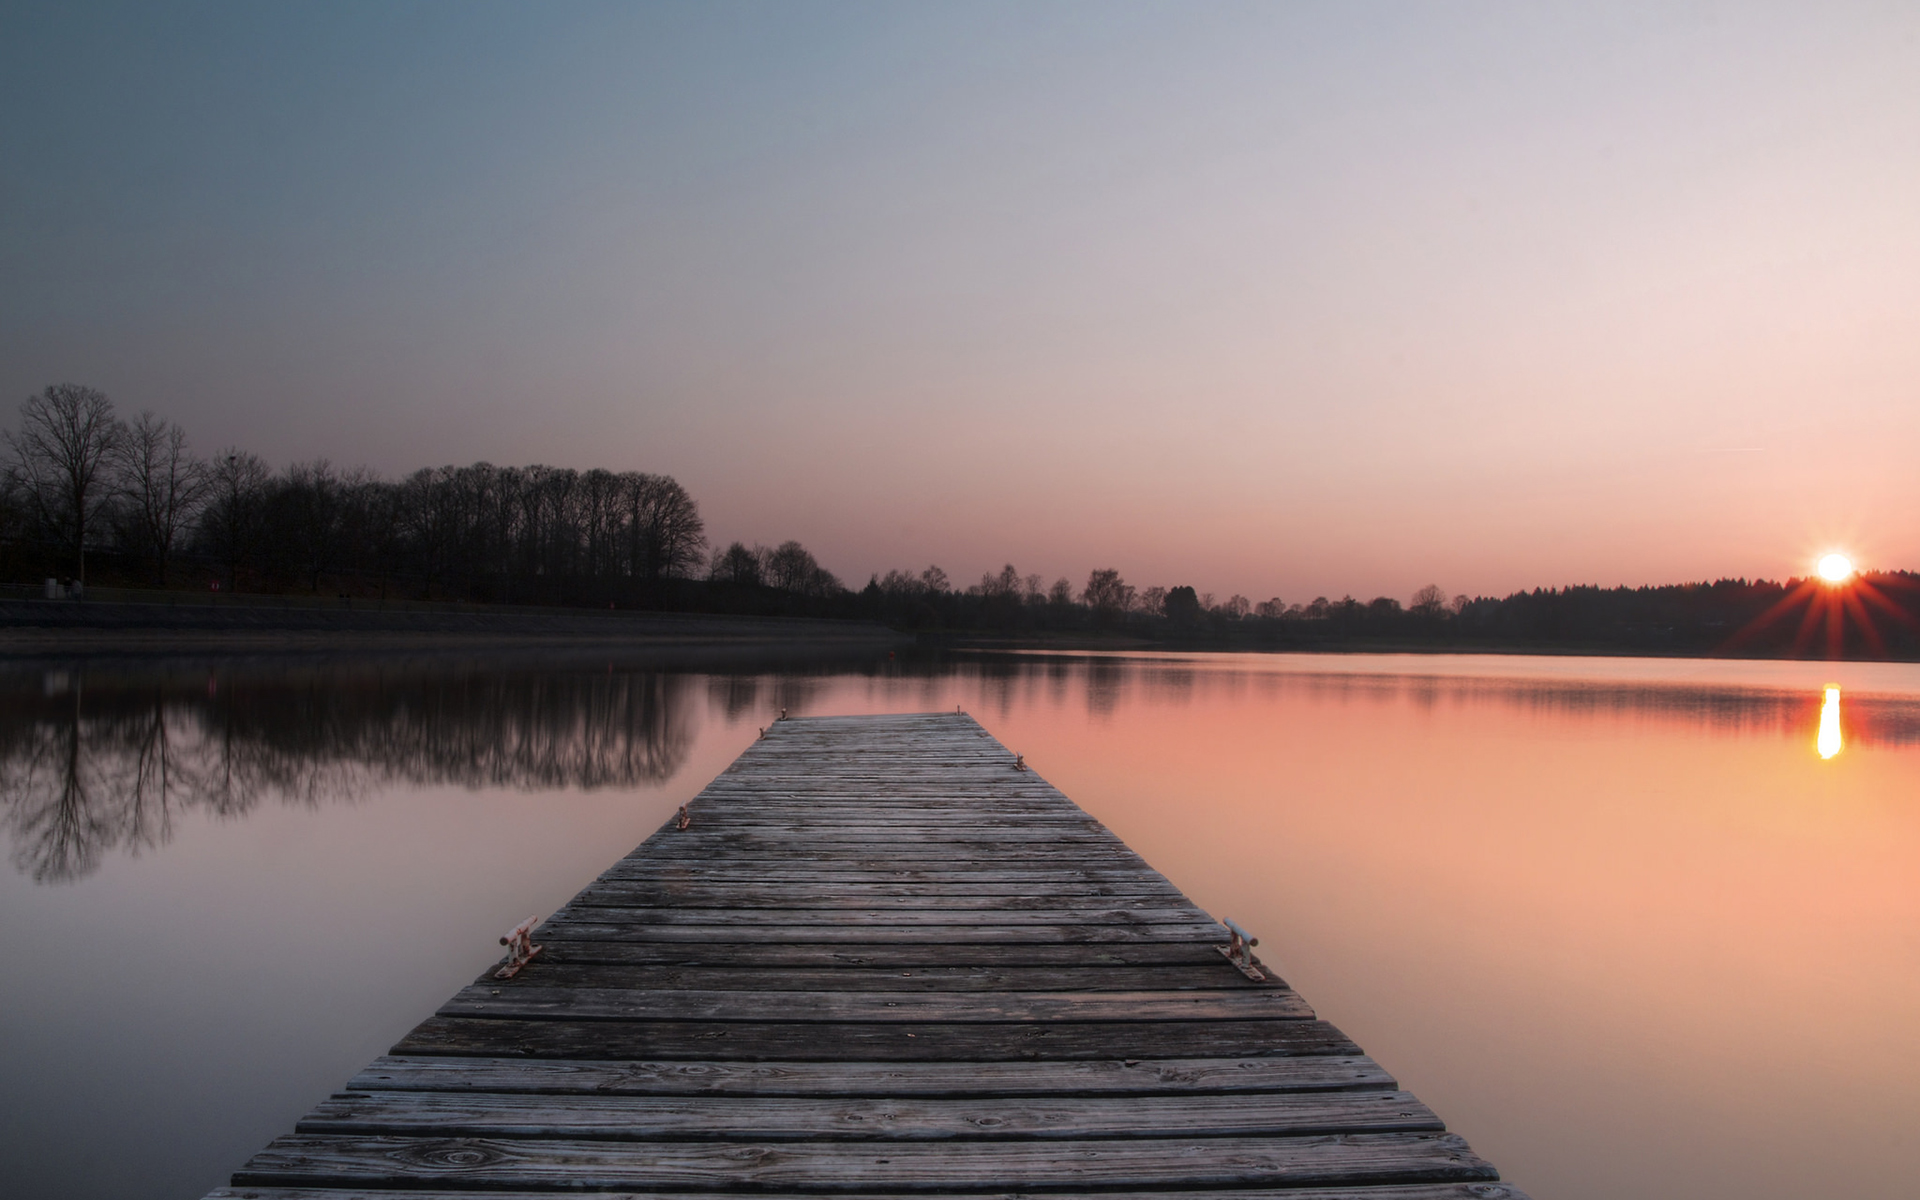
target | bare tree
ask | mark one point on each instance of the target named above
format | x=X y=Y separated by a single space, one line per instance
x=1429 y=602
x=664 y=529
x=897 y=584
x=15 y=508
x=791 y=567
x=306 y=511
x=230 y=523
x=67 y=439
x=1107 y=594
x=599 y=510
x=162 y=483
x=737 y=564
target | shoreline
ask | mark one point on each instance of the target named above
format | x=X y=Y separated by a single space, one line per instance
x=1136 y=645
x=43 y=629
x=47 y=629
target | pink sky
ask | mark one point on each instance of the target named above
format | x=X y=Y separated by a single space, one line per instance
x=1273 y=300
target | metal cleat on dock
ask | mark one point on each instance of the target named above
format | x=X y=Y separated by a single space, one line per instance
x=520 y=947
x=683 y=820
x=1239 y=951
x=1019 y=762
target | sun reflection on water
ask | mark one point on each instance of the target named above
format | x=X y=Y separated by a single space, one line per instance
x=1828 y=742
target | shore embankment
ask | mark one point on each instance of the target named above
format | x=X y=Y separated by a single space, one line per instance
x=43 y=628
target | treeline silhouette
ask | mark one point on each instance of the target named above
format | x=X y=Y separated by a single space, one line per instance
x=80 y=485
x=1873 y=615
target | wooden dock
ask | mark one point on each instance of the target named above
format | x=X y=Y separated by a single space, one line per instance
x=881 y=959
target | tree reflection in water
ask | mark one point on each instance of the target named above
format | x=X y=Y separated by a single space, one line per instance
x=98 y=761
x=94 y=764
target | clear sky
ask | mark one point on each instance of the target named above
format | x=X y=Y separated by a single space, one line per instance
x=1281 y=299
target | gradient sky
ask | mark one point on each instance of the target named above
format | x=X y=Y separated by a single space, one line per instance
x=1273 y=299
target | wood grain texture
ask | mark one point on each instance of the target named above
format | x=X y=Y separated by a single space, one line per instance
x=808 y=1041
x=891 y=1007
x=1418 y=1191
x=400 y=1162
x=724 y=977
x=1100 y=1077
x=658 y=1118
x=881 y=961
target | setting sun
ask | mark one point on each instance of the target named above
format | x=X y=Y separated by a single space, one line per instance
x=1835 y=568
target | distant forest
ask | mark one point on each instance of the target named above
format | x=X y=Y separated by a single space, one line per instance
x=88 y=497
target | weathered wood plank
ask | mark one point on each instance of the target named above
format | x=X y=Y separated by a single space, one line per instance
x=547 y=972
x=621 y=1004
x=877 y=856
x=871 y=1042
x=706 y=1118
x=853 y=1166
x=998 y=834
x=1123 y=1077
x=1096 y=913
x=1416 y=1191
x=926 y=934
x=1016 y=846
x=718 y=874
x=876 y=895
x=876 y=954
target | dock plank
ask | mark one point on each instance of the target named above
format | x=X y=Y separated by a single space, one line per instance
x=1102 y=1077
x=655 y=1118
x=836 y=1006
x=903 y=954
x=880 y=961
x=848 y=978
x=1418 y=1191
x=808 y=1041
x=580 y=1165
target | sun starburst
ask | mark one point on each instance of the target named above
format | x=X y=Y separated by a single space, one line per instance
x=1833 y=602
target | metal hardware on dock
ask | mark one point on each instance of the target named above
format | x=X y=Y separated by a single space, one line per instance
x=1239 y=951
x=520 y=948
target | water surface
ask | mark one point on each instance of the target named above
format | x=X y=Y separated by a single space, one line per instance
x=1618 y=921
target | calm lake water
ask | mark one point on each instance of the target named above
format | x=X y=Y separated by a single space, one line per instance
x=1618 y=921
